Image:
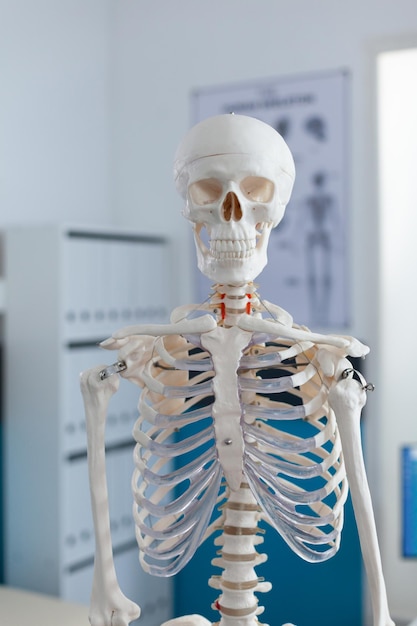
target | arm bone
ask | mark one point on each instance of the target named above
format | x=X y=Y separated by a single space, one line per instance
x=347 y=398
x=109 y=606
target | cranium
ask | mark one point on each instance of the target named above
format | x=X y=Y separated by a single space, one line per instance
x=236 y=174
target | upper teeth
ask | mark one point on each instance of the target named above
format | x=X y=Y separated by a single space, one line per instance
x=229 y=248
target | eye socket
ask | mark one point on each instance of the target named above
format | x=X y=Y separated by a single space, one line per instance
x=257 y=188
x=205 y=191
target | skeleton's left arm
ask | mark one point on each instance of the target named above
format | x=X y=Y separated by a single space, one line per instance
x=347 y=397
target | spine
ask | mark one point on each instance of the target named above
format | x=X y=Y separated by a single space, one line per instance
x=238 y=583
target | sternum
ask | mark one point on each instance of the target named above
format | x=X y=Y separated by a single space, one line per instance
x=225 y=346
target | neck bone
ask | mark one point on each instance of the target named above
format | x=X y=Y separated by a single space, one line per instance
x=229 y=302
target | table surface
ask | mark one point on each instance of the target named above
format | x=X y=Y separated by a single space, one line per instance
x=24 y=608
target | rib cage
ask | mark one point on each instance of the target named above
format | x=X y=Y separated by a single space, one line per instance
x=292 y=457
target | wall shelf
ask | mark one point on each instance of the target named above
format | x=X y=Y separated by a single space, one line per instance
x=69 y=288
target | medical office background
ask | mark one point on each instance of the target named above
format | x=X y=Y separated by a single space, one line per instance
x=94 y=98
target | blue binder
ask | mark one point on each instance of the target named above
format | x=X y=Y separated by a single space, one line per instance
x=409 y=474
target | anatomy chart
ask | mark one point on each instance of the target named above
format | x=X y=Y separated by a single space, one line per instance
x=307 y=268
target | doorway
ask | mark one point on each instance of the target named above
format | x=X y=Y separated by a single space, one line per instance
x=397 y=188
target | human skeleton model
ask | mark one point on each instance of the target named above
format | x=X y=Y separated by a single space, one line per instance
x=239 y=406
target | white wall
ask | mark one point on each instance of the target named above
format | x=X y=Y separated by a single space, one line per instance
x=54 y=111
x=94 y=97
x=398 y=191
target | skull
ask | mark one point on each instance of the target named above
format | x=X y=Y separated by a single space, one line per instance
x=236 y=175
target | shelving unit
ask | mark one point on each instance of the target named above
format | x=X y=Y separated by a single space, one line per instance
x=67 y=289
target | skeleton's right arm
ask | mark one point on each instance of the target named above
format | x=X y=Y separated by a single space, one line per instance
x=109 y=606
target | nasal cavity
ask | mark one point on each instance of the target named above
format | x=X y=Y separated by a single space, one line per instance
x=231 y=207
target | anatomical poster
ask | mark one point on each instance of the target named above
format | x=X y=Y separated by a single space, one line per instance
x=307 y=254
